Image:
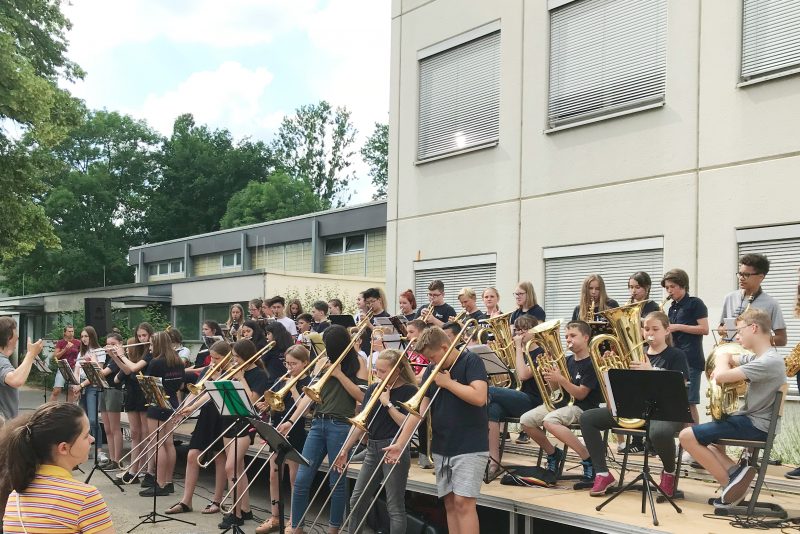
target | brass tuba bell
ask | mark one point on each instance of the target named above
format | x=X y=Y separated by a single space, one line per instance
x=723 y=399
x=548 y=337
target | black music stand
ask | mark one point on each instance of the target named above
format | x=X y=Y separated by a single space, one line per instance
x=69 y=376
x=343 y=320
x=42 y=367
x=652 y=396
x=284 y=451
x=155 y=396
x=94 y=376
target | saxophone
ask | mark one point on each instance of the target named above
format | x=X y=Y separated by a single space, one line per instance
x=589 y=316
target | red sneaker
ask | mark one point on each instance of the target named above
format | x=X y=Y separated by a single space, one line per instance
x=667 y=483
x=601 y=484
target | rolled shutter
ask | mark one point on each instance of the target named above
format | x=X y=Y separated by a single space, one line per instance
x=770 y=37
x=478 y=277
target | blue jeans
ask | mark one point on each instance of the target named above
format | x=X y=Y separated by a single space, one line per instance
x=90 y=401
x=325 y=436
x=505 y=402
x=695 y=378
x=732 y=427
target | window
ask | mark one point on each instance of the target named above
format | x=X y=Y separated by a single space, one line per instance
x=347 y=244
x=770 y=46
x=231 y=259
x=187 y=320
x=459 y=94
x=334 y=246
x=354 y=243
x=607 y=58
x=165 y=267
x=176 y=266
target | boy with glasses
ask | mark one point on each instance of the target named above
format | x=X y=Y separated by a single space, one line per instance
x=441 y=312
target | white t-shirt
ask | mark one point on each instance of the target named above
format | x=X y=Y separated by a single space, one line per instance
x=289 y=324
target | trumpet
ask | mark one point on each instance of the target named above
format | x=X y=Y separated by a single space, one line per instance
x=426 y=312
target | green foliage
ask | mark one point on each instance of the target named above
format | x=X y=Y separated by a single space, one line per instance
x=376 y=154
x=317 y=144
x=281 y=196
x=156 y=315
x=323 y=292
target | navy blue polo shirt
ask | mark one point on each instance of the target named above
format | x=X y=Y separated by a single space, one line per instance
x=689 y=310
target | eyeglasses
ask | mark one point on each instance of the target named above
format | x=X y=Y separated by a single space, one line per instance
x=737 y=330
x=434 y=295
x=519 y=293
x=746 y=275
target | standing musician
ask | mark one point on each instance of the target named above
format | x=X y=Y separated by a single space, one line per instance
x=375 y=301
x=274 y=362
x=66 y=347
x=168 y=366
x=660 y=355
x=408 y=304
x=491 y=299
x=319 y=314
x=795 y=473
x=361 y=307
x=112 y=405
x=383 y=426
x=89 y=396
x=38 y=453
x=593 y=290
x=509 y=402
x=765 y=371
x=12 y=379
x=254 y=307
x=254 y=379
x=278 y=305
x=440 y=312
x=266 y=310
x=205 y=433
x=297 y=357
x=210 y=329
x=460 y=443
x=295 y=309
x=525 y=297
x=753 y=268
x=467 y=298
x=335 y=307
x=581 y=385
x=235 y=320
x=329 y=427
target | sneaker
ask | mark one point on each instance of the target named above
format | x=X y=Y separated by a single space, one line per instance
x=102 y=459
x=247 y=516
x=148 y=480
x=424 y=463
x=554 y=460
x=794 y=474
x=523 y=439
x=126 y=478
x=620 y=448
x=588 y=469
x=601 y=484
x=686 y=458
x=634 y=449
x=229 y=520
x=737 y=488
x=717 y=503
x=169 y=487
x=155 y=489
x=667 y=483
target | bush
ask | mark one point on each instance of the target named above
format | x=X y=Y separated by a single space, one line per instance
x=311 y=295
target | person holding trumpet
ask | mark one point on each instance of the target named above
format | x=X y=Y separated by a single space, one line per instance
x=437 y=312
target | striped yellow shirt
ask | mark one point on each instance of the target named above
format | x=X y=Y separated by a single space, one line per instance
x=55 y=503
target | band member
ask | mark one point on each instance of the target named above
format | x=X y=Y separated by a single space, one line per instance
x=206 y=431
x=66 y=348
x=582 y=385
x=273 y=359
x=278 y=305
x=304 y=323
x=508 y=402
x=753 y=268
x=460 y=444
x=525 y=297
x=593 y=290
x=688 y=318
x=295 y=309
x=660 y=355
x=329 y=427
x=210 y=330
x=361 y=307
x=90 y=396
x=375 y=301
x=441 y=312
x=297 y=357
x=319 y=315
x=254 y=379
x=383 y=426
x=639 y=285
x=38 y=453
x=111 y=407
x=252 y=331
x=419 y=363
x=12 y=379
x=408 y=304
x=491 y=300
x=235 y=319
x=177 y=345
x=795 y=473
x=254 y=308
x=168 y=366
x=266 y=310
x=467 y=298
x=335 y=307
x=766 y=373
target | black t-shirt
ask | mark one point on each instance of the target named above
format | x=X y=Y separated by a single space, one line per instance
x=171 y=377
x=649 y=307
x=610 y=303
x=671 y=359
x=442 y=312
x=529 y=386
x=275 y=363
x=582 y=373
x=320 y=327
x=477 y=315
x=688 y=311
x=111 y=364
x=202 y=355
x=536 y=311
x=382 y=426
x=459 y=427
x=411 y=316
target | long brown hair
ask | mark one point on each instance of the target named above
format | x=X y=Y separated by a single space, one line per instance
x=586 y=300
x=162 y=348
x=244 y=350
x=406 y=372
x=93 y=342
x=135 y=354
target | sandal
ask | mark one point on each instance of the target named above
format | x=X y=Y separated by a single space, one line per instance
x=270 y=525
x=211 y=508
x=182 y=508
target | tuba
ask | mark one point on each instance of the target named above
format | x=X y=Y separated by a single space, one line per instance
x=503 y=346
x=548 y=337
x=626 y=324
x=793 y=361
x=723 y=399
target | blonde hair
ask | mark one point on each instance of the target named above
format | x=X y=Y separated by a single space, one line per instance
x=298 y=352
x=663 y=318
x=530 y=295
x=757 y=317
x=467 y=292
x=162 y=346
x=406 y=372
x=585 y=300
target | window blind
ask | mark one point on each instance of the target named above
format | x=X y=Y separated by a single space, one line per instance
x=770 y=37
x=478 y=277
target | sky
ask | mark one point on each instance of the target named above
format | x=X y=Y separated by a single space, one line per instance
x=238 y=64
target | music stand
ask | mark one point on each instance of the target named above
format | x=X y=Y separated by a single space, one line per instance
x=69 y=376
x=42 y=367
x=94 y=375
x=652 y=396
x=343 y=320
x=155 y=396
x=284 y=451
x=399 y=322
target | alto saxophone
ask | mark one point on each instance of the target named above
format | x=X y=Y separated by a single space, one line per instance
x=589 y=317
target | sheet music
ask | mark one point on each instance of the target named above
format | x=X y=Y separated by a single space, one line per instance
x=494 y=365
x=611 y=404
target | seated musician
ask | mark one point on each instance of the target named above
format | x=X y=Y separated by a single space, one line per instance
x=582 y=385
x=468 y=298
x=305 y=323
x=453 y=330
x=440 y=311
x=508 y=402
x=594 y=299
x=319 y=313
x=525 y=298
x=765 y=371
x=661 y=355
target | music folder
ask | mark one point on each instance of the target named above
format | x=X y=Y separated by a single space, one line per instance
x=94 y=373
x=67 y=373
x=494 y=365
x=655 y=394
x=343 y=320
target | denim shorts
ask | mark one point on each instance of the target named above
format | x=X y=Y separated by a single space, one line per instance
x=732 y=427
x=695 y=378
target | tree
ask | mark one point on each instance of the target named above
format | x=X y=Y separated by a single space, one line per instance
x=376 y=154
x=279 y=197
x=32 y=60
x=316 y=144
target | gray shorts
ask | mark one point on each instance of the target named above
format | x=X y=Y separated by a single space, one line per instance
x=59 y=381
x=112 y=400
x=565 y=416
x=461 y=475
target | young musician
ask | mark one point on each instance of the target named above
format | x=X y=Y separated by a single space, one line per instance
x=112 y=406
x=319 y=315
x=441 y=312
x=766 y=373
x=254 y=307
x=266 y=310
x=593 y=290
x=419 y=363
x=525 y=298
x=235 y=319
x=335 y=307
x=688 y=318
x=582 y=385
x=408 y=304
x=460 y=443
x=273 y=359
x=383 y=423
x=305 y=323
x=206 y=431
x=508 y=402
x=66 y=348
x=278 y=305
x=491 y=300
x=295 y=309
x=177 y=345
x=90 y=396
x=12 y=379
x=329 y=427
x=254 y=379
x=467 y=298
x=210 y=329
x=639 y=285
x=753 y=268
x=660 y=355
x=297 y=357
x=252 y=331
x=452 y=330
x=38 y=453
x=168 y=366
x=361 y=307
x=375 y=301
